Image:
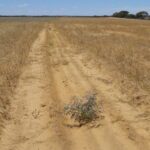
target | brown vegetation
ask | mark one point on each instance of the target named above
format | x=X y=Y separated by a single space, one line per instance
x=69 y=57
x=15 y=41
x=123 y=44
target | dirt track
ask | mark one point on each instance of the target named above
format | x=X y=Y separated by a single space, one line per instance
x=53 y=75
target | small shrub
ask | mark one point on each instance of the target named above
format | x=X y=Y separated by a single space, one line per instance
x=83 y=110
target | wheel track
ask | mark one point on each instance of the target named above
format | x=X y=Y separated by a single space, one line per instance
x=65 y=96
x=81 y=76
x=45 y=86
x=85 y=83
x=77 y=77
x=26 y=125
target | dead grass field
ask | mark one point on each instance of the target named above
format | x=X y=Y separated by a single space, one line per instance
x=45 y=64
x=123 y=44
x=16 y=39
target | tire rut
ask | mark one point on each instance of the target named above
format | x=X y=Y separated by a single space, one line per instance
x=78 y=73
x=53 y=76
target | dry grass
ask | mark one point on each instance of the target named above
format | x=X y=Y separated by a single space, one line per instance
x=16 y=39
x=122 y=44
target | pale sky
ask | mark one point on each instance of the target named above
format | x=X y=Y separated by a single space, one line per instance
x=71 y=7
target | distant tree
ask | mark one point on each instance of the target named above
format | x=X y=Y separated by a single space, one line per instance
x=105 y=16
x=115 y=14
x=121 y=14
x=142 y=14
x=131 y=16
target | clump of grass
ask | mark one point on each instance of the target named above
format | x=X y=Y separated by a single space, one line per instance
x=84 y=109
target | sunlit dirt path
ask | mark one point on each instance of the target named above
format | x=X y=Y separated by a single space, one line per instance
x=28 y=118
x=54 y=74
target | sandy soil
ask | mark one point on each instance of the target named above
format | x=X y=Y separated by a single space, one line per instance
x=53 y=75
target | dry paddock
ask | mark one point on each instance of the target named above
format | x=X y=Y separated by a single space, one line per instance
x=45 y=62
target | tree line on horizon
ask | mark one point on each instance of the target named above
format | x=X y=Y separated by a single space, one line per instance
x=120 y=14
x=127 y=14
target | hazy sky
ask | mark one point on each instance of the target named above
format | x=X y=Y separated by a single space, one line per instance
x=70 y=7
